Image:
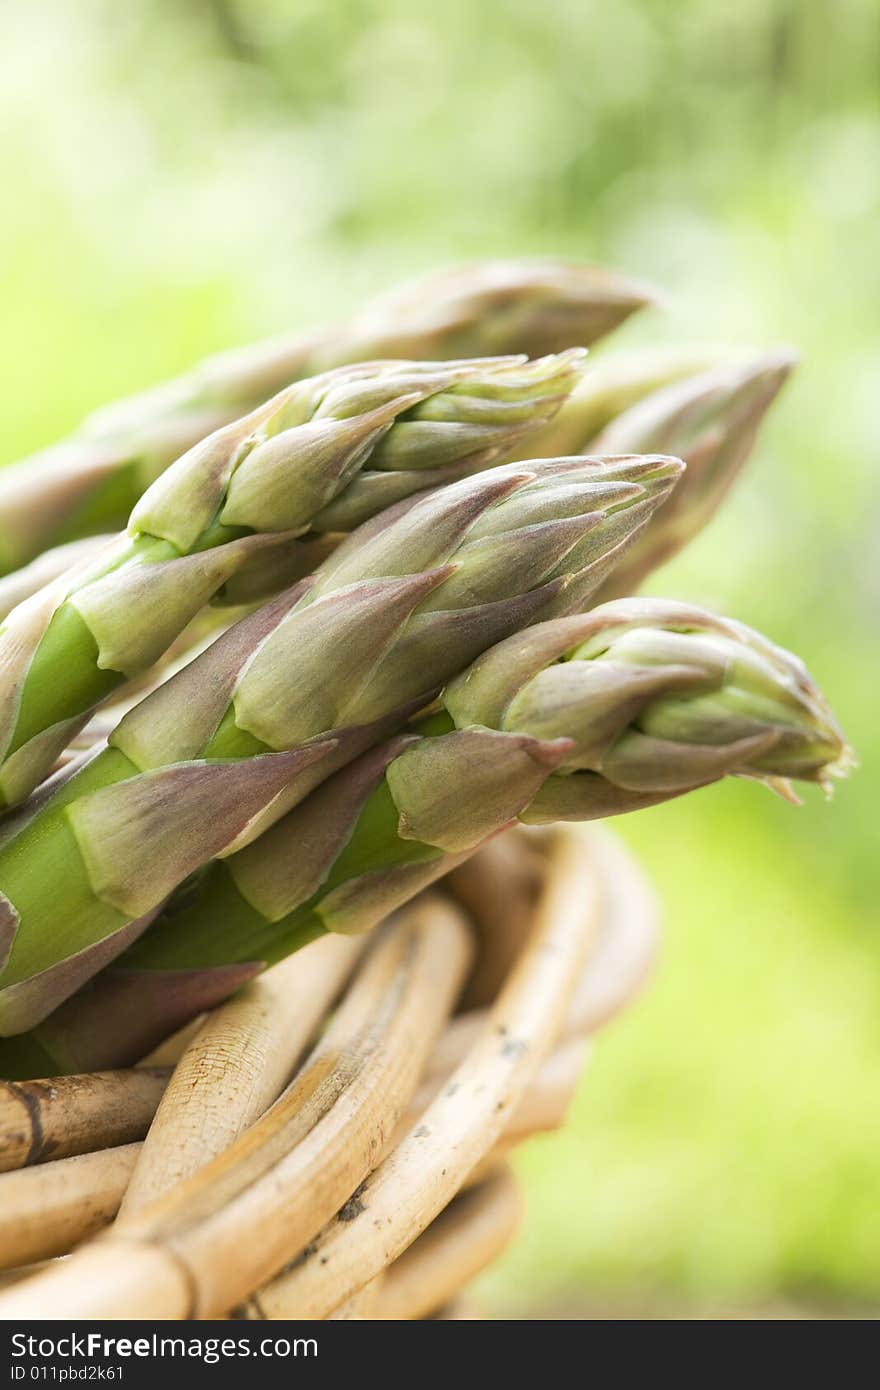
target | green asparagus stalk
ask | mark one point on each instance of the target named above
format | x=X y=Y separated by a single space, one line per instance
x=289 y=694
x=326 y=453
x=90 y=482
x=612 y=385
x=579 y=718
x=20 y=584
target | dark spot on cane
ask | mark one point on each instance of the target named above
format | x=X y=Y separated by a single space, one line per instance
x=354 y=1206
x=305 y=1254
x=29 y=1095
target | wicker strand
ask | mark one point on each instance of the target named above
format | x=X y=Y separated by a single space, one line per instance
x=45 y=1120
x=230 y=1226
x=44 y=1211
x=334 y=1119
x=498 y=888
x=236 y=1066
x=460 y=1243
x=56 y=1228
x=426 y=1169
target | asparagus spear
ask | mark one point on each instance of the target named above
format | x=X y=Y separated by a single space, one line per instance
x=535 y=305
x=578 y=718
x=691 y=403
x=710 y=420
x=20 y=584
x=613 y=383
x=328 y=452
x=90 y=482
x=289 y=694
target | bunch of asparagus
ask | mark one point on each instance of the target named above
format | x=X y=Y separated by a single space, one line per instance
x=412 y=550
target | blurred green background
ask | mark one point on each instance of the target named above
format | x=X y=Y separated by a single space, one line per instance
x=181 y=175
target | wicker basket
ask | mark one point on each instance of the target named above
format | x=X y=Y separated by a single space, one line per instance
x=374 y=1184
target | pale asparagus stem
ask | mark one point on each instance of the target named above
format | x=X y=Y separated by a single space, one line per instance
x=461 y=1242
x=283 y=1178
x=279 y=702
x=323 y=455
x=47 y=1210
x=237 y=1065
x=90 y=482
x=423 y=1173
x=43 y=1120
